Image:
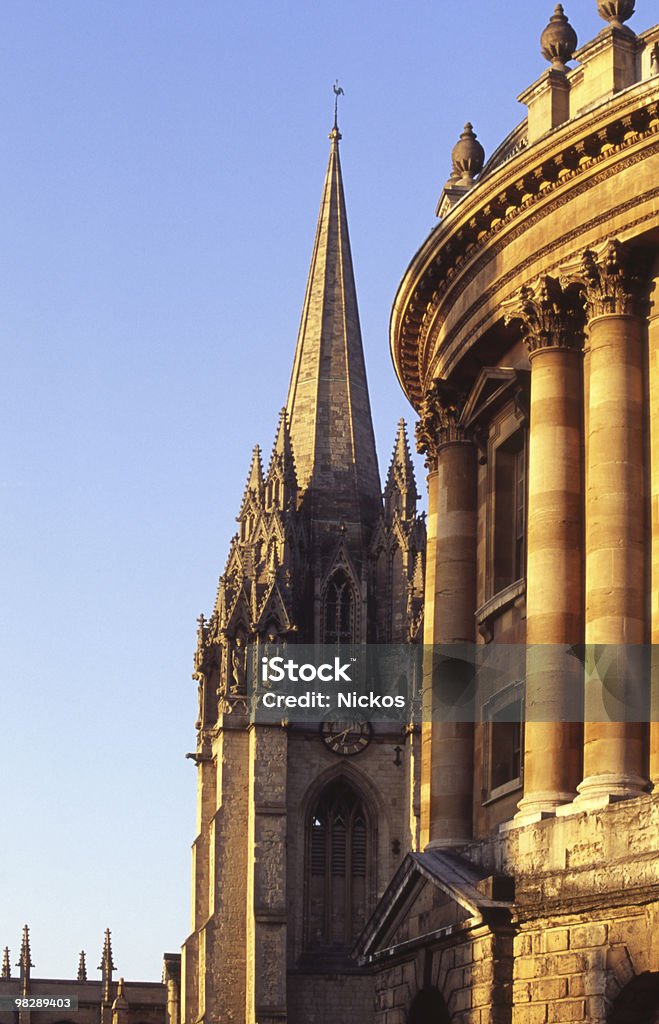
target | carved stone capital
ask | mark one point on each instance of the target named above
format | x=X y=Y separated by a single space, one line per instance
x=439 y=421
x=613 y=280
x=550 y=317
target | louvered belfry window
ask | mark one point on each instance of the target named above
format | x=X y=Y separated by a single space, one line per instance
x=338 y=854
x=339 y=610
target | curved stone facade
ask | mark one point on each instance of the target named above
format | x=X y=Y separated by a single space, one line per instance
x=525 y=333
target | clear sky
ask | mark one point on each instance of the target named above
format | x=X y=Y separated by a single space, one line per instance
x=162 y=164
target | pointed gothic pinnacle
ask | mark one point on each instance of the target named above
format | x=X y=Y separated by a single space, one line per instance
x=6 y=966
x=255 y=474
x=107 y=963
x=25 y=959
x=82 y=966
x=283 y=446
x=401 y=458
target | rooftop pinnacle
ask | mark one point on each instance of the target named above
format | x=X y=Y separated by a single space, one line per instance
x=328 y=406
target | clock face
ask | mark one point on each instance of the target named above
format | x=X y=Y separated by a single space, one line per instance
x=346 y=737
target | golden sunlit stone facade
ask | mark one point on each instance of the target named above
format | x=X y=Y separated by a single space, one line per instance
x=525 y=332
x=297 y=835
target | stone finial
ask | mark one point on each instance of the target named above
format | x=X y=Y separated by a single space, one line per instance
x=616 y=11
x=82 y=966
x=6 y=966
x=107 y=966
x=468 y=156
x=120 y=999
x=25 y=958
x=559 y=40
x=25 y=961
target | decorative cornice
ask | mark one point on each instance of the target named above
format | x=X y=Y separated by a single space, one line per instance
x=612 y=279
x=550 y=317
x=527 y=180
x=444 y=357
x=439 y=421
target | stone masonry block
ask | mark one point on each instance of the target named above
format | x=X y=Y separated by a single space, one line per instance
x=556 y=939
x=460 y=1001
x=570 y=963
x=577 y=985
x=481 y=995
x=530 y=1014
x=463 y=955
x=588 y=935
x=525 y=967
x=567 y=1010
x=521 y=992
x=546 y=989
x=596 y=1009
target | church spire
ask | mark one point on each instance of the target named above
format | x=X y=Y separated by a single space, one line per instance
x=328 y=408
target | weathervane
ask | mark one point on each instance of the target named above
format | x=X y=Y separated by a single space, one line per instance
x=338 y=91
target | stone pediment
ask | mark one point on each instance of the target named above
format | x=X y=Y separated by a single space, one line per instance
x=435 y=893
x=493 y=386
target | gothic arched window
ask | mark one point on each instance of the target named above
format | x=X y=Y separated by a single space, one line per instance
x=339 y=852
x=339 y=610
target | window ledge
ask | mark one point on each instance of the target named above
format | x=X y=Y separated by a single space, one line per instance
x=498 y=604
x=504 y=790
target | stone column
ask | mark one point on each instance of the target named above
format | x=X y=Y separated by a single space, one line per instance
x=615 y=523
x=552 y=325
x=450 y=602
x=653 y=388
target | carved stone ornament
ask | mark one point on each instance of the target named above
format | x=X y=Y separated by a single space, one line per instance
x=550 y=317
x=467 y=156
x=439 y=421
x=559 y=40
x=616 y=11
x=613 y=280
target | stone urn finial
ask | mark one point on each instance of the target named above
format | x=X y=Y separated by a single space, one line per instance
x=468 y=156
x=559 y=40
x=616 y=11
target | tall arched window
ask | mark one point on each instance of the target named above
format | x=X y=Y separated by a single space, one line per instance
x=338 y=857
x=339 y=610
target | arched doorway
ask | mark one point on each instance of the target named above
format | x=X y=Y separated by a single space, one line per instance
x=428 y=1008
x=638 y=1003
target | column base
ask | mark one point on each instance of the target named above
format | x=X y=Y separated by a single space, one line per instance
x=598 y=791
x=445 y=844
x=536 y=807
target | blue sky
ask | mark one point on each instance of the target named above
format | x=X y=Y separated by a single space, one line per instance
x=162 y=164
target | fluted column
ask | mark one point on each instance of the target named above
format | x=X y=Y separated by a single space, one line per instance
x=450 y=600
x=615 y=521
x=552 y=325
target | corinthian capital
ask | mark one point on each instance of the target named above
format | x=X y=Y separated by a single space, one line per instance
x=613 y=280
x=439 y=420
x=550 y=317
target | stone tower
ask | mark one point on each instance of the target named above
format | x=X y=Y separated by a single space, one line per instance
x=297 y=837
